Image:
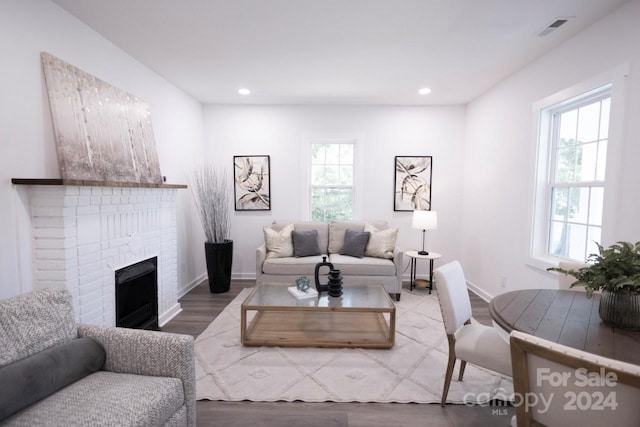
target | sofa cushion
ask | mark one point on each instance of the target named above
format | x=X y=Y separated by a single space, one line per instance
x=278 y=242
x=32 y=322
x=305 y=243
x=41 y=374
x=321 y=227
x=292 y=266
x=381 y=243
x=355 y=243
x=367 y=266
x=338 y=228
x=107 y=399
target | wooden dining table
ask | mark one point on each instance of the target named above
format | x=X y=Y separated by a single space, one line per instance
x=565 y=317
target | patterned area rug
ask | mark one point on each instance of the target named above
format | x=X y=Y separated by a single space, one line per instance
x=412 y=371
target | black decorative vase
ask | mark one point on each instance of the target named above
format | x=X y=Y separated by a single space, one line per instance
x=219 y=258
x=319 y=287
x=335 y=283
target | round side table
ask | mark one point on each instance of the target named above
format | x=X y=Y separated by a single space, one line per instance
x=414 y=255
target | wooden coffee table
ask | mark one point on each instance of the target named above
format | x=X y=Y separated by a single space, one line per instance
x=364 y=316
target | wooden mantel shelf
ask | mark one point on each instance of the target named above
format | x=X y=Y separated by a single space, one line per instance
x=83 y=183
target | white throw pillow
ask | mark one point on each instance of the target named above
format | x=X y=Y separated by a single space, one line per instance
x=381 y=242
x=279 y=244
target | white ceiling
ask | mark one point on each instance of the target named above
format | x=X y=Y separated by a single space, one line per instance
x=335 y=51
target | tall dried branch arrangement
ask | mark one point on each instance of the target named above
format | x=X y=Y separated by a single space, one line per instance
x=211 y=190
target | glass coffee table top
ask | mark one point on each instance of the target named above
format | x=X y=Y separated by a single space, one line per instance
x=354 y=296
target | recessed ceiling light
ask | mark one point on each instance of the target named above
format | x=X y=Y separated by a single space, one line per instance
x=244 y=91
x=424 y=91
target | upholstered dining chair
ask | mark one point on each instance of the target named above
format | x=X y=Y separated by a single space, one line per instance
x=470 y=342
x=556 y=385
x=565 y=280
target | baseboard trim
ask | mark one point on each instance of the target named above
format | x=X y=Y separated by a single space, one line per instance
x=185 y=289
x=480 y=292
x=243 y=276
x=169 y=314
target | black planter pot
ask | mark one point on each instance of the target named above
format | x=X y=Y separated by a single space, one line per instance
x=219 y=258
x=620 y=309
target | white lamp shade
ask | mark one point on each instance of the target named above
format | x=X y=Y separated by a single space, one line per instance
x=425 y=220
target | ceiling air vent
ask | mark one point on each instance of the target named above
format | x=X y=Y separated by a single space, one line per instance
x=557 y=23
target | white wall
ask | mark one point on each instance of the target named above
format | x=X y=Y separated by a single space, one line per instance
x=279 y=131
x=26 y=135
x=500 y=152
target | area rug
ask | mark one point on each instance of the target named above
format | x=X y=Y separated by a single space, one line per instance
x=412 y=371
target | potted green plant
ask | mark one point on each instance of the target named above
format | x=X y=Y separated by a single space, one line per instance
x=616 y=272
x=211 y=190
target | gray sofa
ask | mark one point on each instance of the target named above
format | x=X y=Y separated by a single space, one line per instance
x=366 y=270
x=127 y=377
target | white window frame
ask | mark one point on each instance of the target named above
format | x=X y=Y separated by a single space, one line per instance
x=539 y=196
x=358 y=180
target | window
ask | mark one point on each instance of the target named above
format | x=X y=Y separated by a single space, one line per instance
x=580 y=132
x=572 y=156
x=332 y=180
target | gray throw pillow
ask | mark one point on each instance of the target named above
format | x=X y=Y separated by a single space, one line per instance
x=305 y=243
x=355 y=242
x=42 y=374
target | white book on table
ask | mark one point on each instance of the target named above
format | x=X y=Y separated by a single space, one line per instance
x=311 y=293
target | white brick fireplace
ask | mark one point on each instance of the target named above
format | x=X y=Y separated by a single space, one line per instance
x=82 y=235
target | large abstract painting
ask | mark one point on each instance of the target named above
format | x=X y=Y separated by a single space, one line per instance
x=102 y=133
x=252 y=188
x=412 y=183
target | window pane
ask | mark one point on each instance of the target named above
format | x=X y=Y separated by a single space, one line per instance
x=346 y=175
x=604 y=118
x=586 y=163
x=333 y=154
x=338 y=204
x=317 y=204
x=579 y=204
x=317 y=153
x=346 y=154
x=568 y=123
x=557 y=239
x=565 y=164
x=593 y=238
x=596 y=204
x=332 y=175
x=602 y=160
x=577 y=242
x=588 y=122
x=318 y=174
x=559 y=203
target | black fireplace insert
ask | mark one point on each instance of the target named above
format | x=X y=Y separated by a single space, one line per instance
x=137 y=295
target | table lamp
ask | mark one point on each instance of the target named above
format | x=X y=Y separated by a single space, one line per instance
x=424 y=220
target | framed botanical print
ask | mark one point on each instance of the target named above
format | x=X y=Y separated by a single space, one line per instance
x=412 y=184
x=252 y=183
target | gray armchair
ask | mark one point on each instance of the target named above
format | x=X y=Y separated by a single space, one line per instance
x=143 y=378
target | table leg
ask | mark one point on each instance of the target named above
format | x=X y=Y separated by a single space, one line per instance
x=430 y=276
x=412 y=274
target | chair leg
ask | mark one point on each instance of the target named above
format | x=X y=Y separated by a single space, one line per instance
x=463 y=364
x=450 y=365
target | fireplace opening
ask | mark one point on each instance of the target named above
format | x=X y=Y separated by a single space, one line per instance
x=137 y=295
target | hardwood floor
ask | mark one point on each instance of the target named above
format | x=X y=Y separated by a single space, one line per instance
x=200 y=307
